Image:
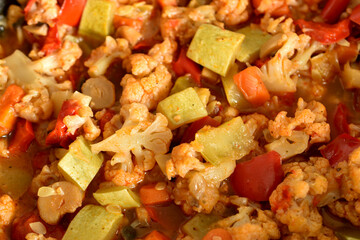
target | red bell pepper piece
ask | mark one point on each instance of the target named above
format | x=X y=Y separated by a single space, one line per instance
x=332 y=10
x=340 y=119
x=28 y=6
x=355 y=15
x=338 y=150
x=189 y=134
x=60 y=135
x=23 y=136
x=164 y=3
x=323 y=32
x=185 y=65
x=52 y=41
x=71 y=11
x=155 y=235
x=256 y=179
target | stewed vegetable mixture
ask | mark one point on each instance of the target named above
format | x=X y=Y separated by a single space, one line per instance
x=179 y=119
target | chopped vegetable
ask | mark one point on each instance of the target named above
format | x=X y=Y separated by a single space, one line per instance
x=347 y=53
x=101 y=91
x=128 y=233
x=185 y=65
x=93 y=223
x=71 y=11
x=250 y=47
x=332 y=10
x=182 y=83
x=215 y=48
x=350 y=76
x=155 y=235
x=338 y=150
x=234 y=96
x=52 y=41
x=118 y=195
x=355 y=15
x=199 y=225
x=108 y=115
x=340 y=119
x=325 y=33
x=22 y=138
x=257 y=178
x=189 y=134
x=252 y=87
x=182 y=108
x=217 y=233
x=228 y=142
x=97 y=18
x=80 y=165
x=151 y=195
x=11 y=96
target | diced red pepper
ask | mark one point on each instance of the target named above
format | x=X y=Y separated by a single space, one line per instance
x=60 y=135
x=71 y=11
x=340 y=119
x=323 y=32
x=338 y=150
x=150 y=195
x=145 y=44
x=23 y=136
x=332 y=10
x=108 y=115
x=40 y=159
x=52 y=41
x=185 y=65
x=355 y=15
x=189 y=134
x=256 y=179
x=155 y=235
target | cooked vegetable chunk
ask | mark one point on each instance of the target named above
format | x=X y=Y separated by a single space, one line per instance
x=93 y=223
x=80 y=165
x=229 y=141
x=215 y=48
x=250 y=47
x=199 y=225
x=182 y=107
x=119 y=195
x=182 y=83
x=97 y=18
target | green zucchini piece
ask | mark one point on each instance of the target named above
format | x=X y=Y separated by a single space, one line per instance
x=250 y=47
x=182 y=83
x=215 y=48
x=182 y=108
x=93 y=223
x=229 y=141
x=97 y=19
x=235 y=98
x=199 y=225
x=117 y=195
x=332 y=221
x=347 y=233
x=80 y=165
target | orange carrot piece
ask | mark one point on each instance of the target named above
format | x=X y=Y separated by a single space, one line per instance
x=155 y=235
x=11 y=96
x=217 y=233
x=125 y=21
x=250 y=84
x=164 y=3
x=24 y=135
x=149 y=195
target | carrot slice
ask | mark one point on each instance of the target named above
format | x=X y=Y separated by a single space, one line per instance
x=250 y=84
x=155 y=235
x=150 y=195
x=24 y=135
x=217 y=233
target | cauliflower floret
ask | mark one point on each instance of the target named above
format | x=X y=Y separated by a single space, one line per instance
x=140 y=64
x=49 y=174
x=57 y=63
x=309 y=118
x=277 y=72
x=143 y=135
x=250 y=222
x=7 y=210
x=103 y=56
x=348 y=210
x=43 y=11
x=232 y=12
x=278 y=25
x=35 y=106
x=181 y=22
x=36 y=236
x=3 y=76
x=148 y=90
x=164 y=52
x=294 y=200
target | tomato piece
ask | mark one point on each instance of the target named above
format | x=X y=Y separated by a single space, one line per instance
x=333 y=9
x=71 y=11
x=185 y=65
x=323 y=32
x=189 y=134
x=40 y=159
x=23 y=136
x=355 y=15
x=252 y=87
x=338 y=150
x=52 y=41
x=60 y=135
x=340 y=119
x=217 y=233
x=257 y=178
x=155 y=235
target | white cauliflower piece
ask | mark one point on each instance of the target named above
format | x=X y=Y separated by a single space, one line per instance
x=148 y=90
x=7 y=210
x=142 y=135
x=57 y=63
x=3 y=76
x=278 y=70
x=232 y=12
x=164 y=52
x=103 y=56
x=140 y=64
x=37 y=236
x=43 y=11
